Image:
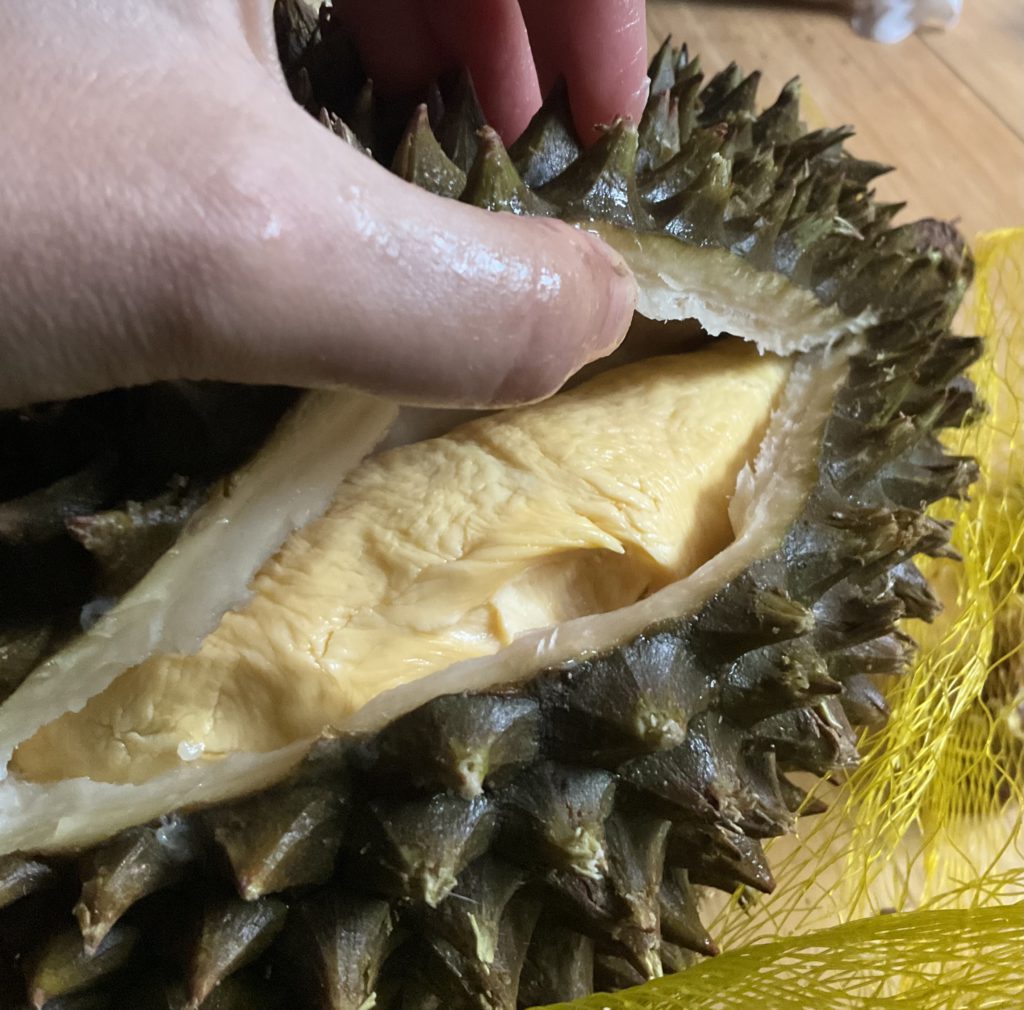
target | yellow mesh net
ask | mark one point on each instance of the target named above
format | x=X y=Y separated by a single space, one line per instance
x=909 y=892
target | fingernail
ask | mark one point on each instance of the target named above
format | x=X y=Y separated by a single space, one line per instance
x=610 y=325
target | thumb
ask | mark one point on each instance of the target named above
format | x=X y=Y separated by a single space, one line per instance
x=332 y=270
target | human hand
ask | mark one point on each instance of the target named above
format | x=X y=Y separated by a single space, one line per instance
x=169 y=212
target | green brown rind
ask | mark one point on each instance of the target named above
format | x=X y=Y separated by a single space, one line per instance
x=447 y=860
x=707 y=169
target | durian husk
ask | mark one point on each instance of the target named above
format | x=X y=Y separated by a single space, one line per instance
x=378 y=871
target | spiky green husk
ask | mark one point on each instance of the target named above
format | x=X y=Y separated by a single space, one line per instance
x=538 y=841
x=704 y=167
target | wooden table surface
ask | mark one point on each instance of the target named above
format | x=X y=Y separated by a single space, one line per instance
x=946 y=108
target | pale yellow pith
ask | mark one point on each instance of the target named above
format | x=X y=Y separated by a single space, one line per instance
x=442 y=551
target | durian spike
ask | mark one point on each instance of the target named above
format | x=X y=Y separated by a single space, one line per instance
x=640 y=699
x=636 y=859
x=233 y=933
x=754 y=182
x=864 y=703
x=861 y=172
x=716 y=775
x=548 y=145
x=740 y=102
x=774 y=679
x=469 y=983
x=721 y=859
x=295 y=28
x=675 y=958
x=619 y=910
x=361 y=117
x=601 y=183
x=658 y=132
x=494 y=184
x=930 y=481
x=458 y=131
x=798 y=800
x=963 y=407
x=335 y=946
x=679 y=913
x=759 y=247
x=683 y=170
x=457 y=743
x=763 y=813
x=897 y=535
x=746 y=616
x=64 y=967
x=420 y=847
x=559 y=965
x=697 y=214
x=612 y=971
x=686 y=93
x=720 y=85
x=469 y=919
x=780 y=123
x=420 y=160
x=280 y=839
x=138 y=863
x=847 y=614
x=664 y=785
x=23 y=875
x=887 y=655
x=662 y=69
x=913 y=589
x=957 y=355
x=562 y=813
x=809 y=739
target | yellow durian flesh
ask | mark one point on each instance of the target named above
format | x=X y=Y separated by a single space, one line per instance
x=446 y=550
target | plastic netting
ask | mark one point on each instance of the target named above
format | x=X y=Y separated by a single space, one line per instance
x=909 y=892
x=924 y=960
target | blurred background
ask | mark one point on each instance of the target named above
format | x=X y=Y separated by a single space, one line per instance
x=947 y=107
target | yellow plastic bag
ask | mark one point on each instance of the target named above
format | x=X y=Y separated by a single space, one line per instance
x=908 y=894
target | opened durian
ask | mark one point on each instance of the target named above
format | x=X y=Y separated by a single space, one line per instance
x=420 y=714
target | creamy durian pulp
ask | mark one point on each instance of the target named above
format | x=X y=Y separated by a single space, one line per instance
x=444 y=550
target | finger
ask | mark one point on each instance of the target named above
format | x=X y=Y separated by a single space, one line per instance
x=332 y=270
x=489 y=38
x=600 y=48
x=396 y=44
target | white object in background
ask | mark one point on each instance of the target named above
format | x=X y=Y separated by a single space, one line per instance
x=894 y=20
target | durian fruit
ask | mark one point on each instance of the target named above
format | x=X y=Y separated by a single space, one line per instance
x=629 y=614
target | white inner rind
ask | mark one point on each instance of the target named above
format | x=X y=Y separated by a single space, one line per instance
x=179 y=602
x=299 y=472
x=727 y=295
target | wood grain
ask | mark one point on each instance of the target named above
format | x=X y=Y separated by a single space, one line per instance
x=958 y=157
x=986 y=51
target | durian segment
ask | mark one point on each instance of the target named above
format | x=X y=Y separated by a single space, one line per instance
x=446 y=550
